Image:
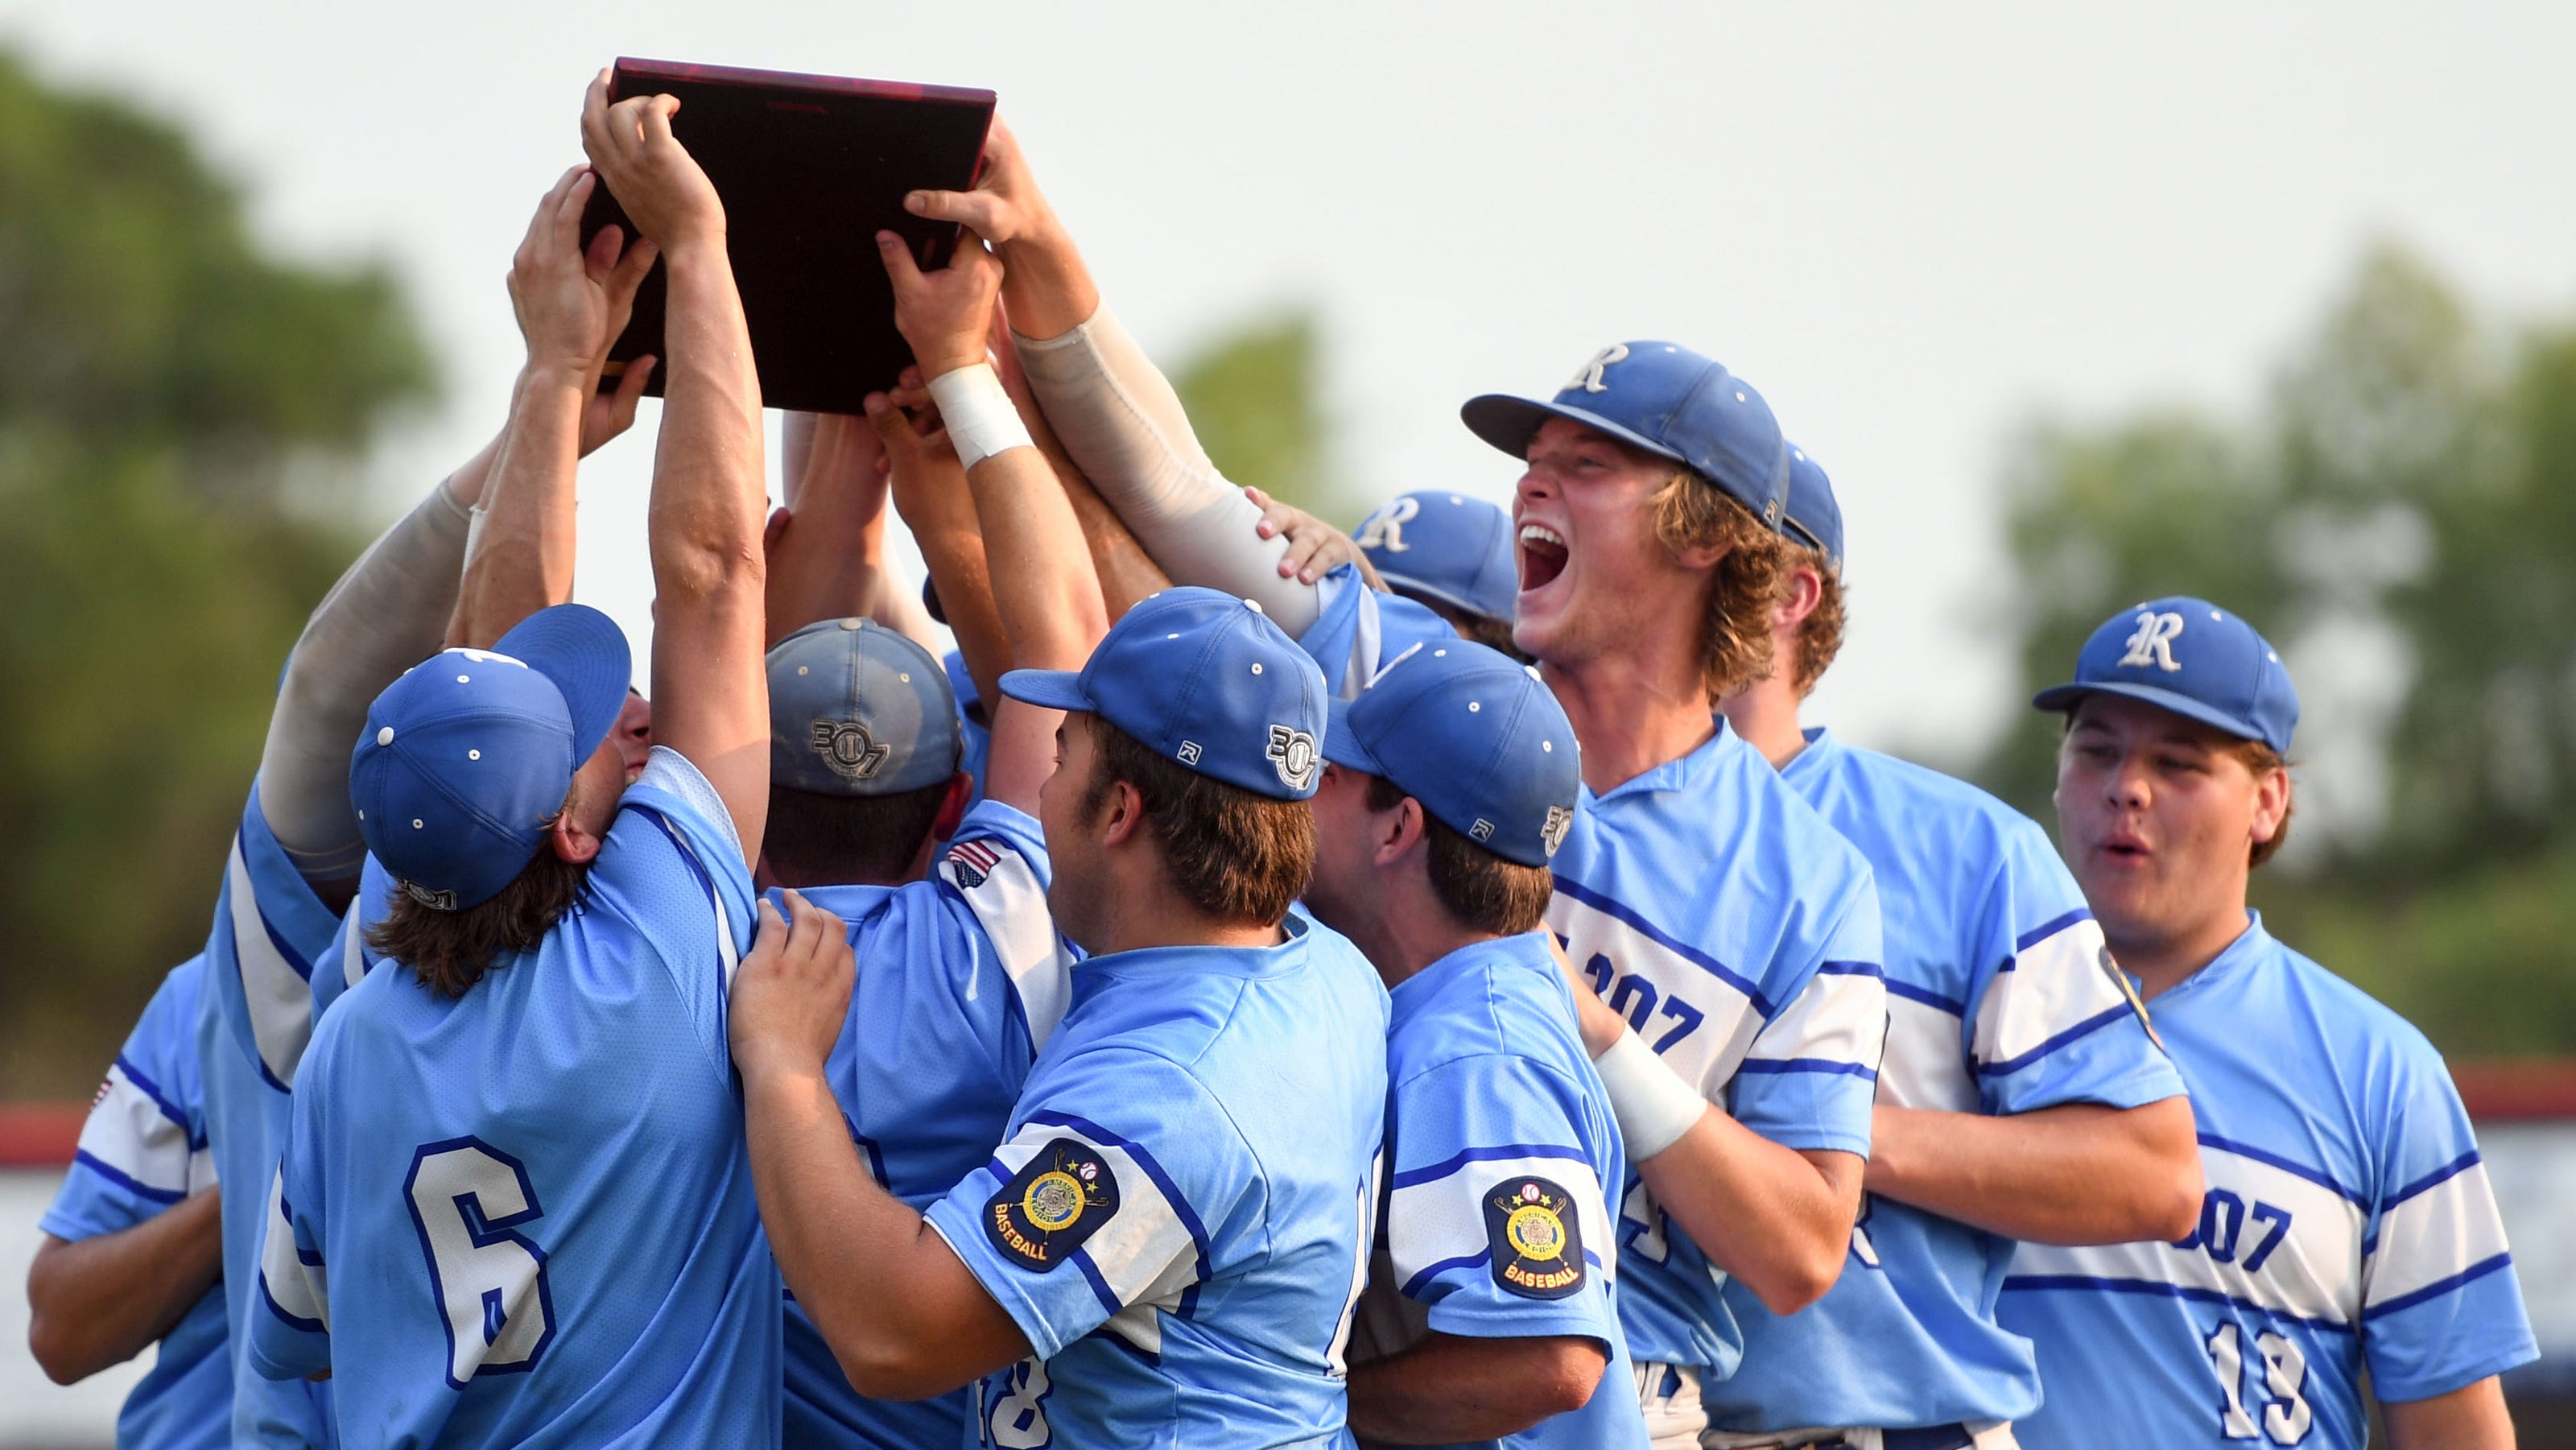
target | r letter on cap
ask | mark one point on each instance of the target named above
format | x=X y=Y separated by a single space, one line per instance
x=1588 y=378
x=2153 y=643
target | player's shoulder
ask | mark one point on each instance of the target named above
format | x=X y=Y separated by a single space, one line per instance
x=2357 y=1027
x=1941 y=804
x=175 y=1002
x=1500 y=999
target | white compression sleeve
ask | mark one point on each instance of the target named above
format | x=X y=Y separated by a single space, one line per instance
x=1653 y=1105
x=387 y=613
x=1124 y=426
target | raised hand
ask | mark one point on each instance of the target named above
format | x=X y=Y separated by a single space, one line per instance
x=1005 y=205
x=572 y=303
x=946 y=314
x=649 y=172
x=1315 y=548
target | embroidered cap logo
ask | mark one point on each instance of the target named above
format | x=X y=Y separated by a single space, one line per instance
x=2153 y=642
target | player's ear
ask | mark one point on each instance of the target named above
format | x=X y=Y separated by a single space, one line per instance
x=2271 y=804
x=1124 y=813
x=1401 y=832
x=1802 y=590
x=569 y=840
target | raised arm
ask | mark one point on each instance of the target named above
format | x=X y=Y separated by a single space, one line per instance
x=1120 y=420
x=931 y=493
x=710 y=695
x=571 y=304
x=1043 y=580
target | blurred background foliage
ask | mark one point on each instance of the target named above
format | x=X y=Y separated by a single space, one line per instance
x=2398 y=515
x=181 y=423
x=182 y=417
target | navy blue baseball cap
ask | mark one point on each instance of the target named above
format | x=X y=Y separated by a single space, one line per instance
x=1445 y=546
x=1813 y=519
x=856 y=709
x=2193 y=658
x=1205 y=679
x=467 y=757
x=1474 y=736
x=1668 y=400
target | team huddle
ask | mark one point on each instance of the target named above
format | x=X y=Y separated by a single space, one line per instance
x=1266 y=987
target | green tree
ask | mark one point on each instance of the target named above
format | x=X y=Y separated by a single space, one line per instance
x=161 y=378
x=1254 y=396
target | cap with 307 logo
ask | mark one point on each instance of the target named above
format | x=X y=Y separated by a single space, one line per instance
x=1475 y=737
x=856 y=709
x=1204 y=679
x=1671 y=402
x=1446 y=547
x=2193 y=658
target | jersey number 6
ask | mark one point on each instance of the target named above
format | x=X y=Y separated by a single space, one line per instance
x=467 y=1198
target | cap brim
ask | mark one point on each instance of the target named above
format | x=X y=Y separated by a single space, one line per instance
x=585 y=654
x=1047 y=689
x=1430 y=593
x=1342 y=744
x=1509 y=423
x=2065 y=697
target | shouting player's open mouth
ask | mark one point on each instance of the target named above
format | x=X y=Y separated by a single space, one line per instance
x=1542 y=556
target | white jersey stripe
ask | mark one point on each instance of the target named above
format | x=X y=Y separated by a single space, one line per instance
x=133 y=1133
x=1009 y=902
x=2057 y=983
x=1838 y=1023
x=294 y=1282
x=2432 y=1235
x=1926 y=1064
x=1438 y=1223
x=279 y=997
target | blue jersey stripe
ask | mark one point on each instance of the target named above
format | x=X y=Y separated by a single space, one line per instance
x=2047 y=929
x=1926 y=996
x=2085 y=1028
x=126 y=1181
x=1413 y=1286
x=1850 y=969
x=309 y=1326
x=1099 y=1285
x=1437 y=1171
x=2439 y=1287
x=1807 y=1064
x=159 y=1098
x=1579 y=892
x=2438 y=1176
x=2299 y=1170
x=1171 y=1191
x=2160 y=1289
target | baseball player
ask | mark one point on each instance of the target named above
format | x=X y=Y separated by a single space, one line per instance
x=960 y=975
x=1732 y=934
x=1453 y=555
x=516 y=1202
x=134 y=1240
x=272 y=963
x=2348 y=1224
x=1449 y=783
x=2022 y=1095
x=1124 y=428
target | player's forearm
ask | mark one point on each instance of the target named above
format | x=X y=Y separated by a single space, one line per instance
x=1777 y=1219
x=2472 y=1417
x=1041 y=571
x=522 y=559
x=1046 y=284
x=1127 y=573
x=2081 y=1173
x=1450 y=1388
x=707 y=481
x=382 y=617
x=879 y=1284
x=830 y=562
x=102 y=1301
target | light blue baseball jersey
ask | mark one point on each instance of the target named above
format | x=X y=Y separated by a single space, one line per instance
x=1358 y=631
x=1739 y=934
x=526 y=1213
x=2348 y=1224
x=252 y=1026
x=2001 y=998
x=1179 y=1218
x=960 y=979
x=142 y=1151
x=1500 y=1140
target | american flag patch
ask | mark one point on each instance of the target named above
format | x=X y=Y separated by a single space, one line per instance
x=974 y=861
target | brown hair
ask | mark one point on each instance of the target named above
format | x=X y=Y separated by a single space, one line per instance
x=1820 y=634
x=849 y=840
x=1481 y=890
x=1735 y=638
x=2262 y=759
x=1234 y=854
x=1492 y=633
x=451 y=950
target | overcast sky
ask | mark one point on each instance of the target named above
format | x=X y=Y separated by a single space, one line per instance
x=1912 y=226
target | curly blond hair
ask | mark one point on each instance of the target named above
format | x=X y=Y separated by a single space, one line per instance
x=1735 y=637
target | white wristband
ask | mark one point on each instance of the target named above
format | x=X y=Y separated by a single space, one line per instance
x=978 y=413
x=1653 y=1105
